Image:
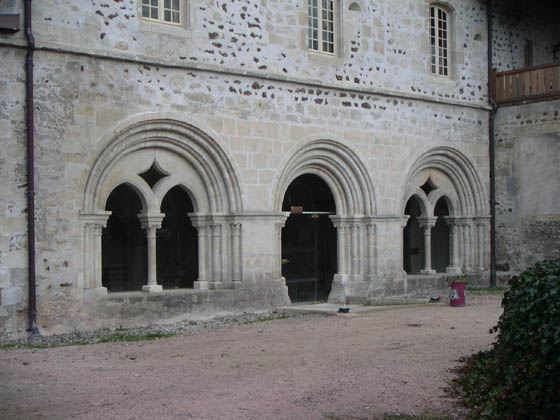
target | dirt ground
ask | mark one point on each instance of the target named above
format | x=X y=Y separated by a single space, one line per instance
x=366 y=366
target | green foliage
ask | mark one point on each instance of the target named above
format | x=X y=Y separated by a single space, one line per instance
x=519 y=377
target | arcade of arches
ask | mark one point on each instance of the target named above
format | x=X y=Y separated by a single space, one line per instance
x=163 y=210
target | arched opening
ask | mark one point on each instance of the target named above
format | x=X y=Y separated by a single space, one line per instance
x=124 y=252
x=177 y=242
x=413 y=239
x=309 y=239
x=440 y=238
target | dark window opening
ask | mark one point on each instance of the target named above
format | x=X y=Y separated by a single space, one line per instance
x=440 y=238
x=124 y=252
x=177 y=242
x=309 y=239
x=413 y=239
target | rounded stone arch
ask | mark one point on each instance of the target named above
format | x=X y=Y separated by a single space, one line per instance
x=340 y=168
x=467 y=189
x=446 y=173
x=153 y=155
x=182 y=140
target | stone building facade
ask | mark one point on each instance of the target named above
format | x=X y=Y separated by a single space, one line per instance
x=209 y=119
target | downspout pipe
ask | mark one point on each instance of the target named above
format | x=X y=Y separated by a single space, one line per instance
x=30 y=127
x=491 y=147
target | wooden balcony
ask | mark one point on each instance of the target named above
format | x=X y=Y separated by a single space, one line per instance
x=526 y=84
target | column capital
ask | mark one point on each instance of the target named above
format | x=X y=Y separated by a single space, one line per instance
x=151 y=220
x=98 y=218
x=427 y=222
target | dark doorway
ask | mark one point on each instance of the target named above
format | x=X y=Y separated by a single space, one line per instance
x=413 y=239
x=308 y=239
x=440 y=238
x=177 y=242
x=124 y=253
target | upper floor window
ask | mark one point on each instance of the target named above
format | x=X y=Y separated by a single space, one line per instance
x=168 y=11
x=439 y=40
x=321 y=25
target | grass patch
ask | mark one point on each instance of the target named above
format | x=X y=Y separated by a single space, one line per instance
x=485 y=289
x=270 y=317
x=123 y=337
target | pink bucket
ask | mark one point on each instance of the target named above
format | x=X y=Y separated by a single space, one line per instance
x=457 y=294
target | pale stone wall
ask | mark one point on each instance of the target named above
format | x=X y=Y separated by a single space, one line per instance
x=259 y=102
x=527 y=184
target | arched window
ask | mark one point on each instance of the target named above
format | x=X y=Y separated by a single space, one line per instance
x=440 y=21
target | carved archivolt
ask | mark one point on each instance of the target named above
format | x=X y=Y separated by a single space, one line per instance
x=152 y=157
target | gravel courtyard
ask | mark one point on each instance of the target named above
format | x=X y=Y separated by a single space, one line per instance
x=374 y=365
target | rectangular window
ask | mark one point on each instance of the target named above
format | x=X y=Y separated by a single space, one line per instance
x=439 y=39
x=167 y=11
x=321 y=25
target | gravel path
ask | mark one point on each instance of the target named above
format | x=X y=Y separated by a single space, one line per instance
x=351 y=366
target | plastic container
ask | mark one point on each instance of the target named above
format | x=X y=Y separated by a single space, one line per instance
x=457 y=294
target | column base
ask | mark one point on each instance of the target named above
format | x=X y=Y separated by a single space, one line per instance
x=220 y=285
x=428 y=272
x=453 y=270
x=201 y=285
x=97 y=291
x=151 y=288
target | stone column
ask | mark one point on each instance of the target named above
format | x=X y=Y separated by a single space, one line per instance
x=481 y=245
x=468 y=246
x=216 y=244
x=371 y=265
x=355 y=248
x=201 y=224
x=94 y=222
x=236 y=251
x=151 y=222
x=427 y=223
x=340 y=246
x=453 y=267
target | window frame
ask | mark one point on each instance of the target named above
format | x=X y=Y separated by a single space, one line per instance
x=440 y=32
x=321 y=38
x=161 y=12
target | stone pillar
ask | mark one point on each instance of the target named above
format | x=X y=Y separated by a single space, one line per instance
x=235 y=229
x=94 y=222
x=427 y=223
x=481 y=245
x=216 y=244
x=200 y=223
x=151 y=222
x=371 y=263
x=355 y=248
x=341 y=248
x=453 y=267
x=468 y=246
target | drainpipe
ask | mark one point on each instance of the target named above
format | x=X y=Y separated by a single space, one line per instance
x=491 y=147
x=32 y=299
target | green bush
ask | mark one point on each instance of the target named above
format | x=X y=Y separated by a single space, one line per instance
x=519 y=377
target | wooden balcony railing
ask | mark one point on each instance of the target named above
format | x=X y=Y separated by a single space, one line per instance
x=528 y=83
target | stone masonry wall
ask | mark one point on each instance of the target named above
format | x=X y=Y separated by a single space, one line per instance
x=286 y=98
x=515 y=22
x=527 y=184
